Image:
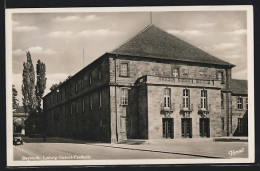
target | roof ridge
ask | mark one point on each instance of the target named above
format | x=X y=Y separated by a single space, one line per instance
x=132 y=37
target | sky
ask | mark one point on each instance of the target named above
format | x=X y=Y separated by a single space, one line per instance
x=58 y=39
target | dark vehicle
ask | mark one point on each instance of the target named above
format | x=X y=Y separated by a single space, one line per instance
x=17 y=139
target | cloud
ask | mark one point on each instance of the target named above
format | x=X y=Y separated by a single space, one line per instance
x=224 y=46
x=233 y=56
x=220 y=46
x=174 y=32
x=235 y=25
x=18 y=52
x=40 y=50
x=240 y=31
x=25 y=28
x=240 y=74
x=67 y=18
x=186 y=33
x=206 y=24
x=98 y=32
x=91 y=18
x=59 y=34
x=76 y=18
x=35 y=50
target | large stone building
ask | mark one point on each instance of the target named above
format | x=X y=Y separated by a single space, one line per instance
x=153 y=86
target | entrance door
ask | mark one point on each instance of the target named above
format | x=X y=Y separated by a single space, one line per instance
x=204 y=127
x=167 y=124
x=186 y=127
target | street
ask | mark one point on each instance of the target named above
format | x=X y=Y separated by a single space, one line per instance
x=161 y=149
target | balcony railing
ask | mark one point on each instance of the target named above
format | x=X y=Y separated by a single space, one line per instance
x=169 y=108
x=204 y=109
x=186 y=109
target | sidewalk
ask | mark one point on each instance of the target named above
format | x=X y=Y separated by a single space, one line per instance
x=164 y=142
x=231 y=139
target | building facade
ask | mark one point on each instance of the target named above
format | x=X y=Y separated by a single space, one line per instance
x=19 y=118
x=153 y=86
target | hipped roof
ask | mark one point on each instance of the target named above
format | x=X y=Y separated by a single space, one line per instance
x=153 y=42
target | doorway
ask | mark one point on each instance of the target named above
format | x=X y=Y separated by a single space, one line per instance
x=204 y=127
x=167 y=124
x=186 y=127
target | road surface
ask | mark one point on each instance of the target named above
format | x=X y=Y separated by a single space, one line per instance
x=96 y=151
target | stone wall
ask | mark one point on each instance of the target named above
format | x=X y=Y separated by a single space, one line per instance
x=64 y=110
x=238 y=113
x=143 y=67
x=155 y=99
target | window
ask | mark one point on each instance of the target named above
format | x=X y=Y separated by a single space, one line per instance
x=220 y=76
x=175 y=72
x=82 y=83
x=186 y=94
x=90 y=102
x=99 y=74
x=201 y=74
x=76 y=87
x=57 y=95
x=222 y=124
x=124 y=96
x=185 y=73
x=124 y=70
x=203 y=99
x=83 y=105
x=61 y=94
x=167 y=97
x=246 y=103
x=240 y=103
x=240 y=124
x=100 y=99
x=90 y=78
x=71 y=108
x=77 y=106
x=222 y=100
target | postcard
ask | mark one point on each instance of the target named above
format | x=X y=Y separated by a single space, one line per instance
x=130 y=85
